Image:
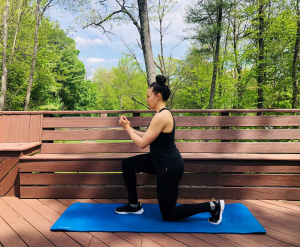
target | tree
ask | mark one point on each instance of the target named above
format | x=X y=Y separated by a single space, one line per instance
x=100 y=17
x=209 y=16
x=261 y=53
x=5 y=73
x=296 y=59
x=39 y=15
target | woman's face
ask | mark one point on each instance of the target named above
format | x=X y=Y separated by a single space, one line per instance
x=151 y=98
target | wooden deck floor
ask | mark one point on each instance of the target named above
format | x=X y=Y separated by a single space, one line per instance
x=27 y=222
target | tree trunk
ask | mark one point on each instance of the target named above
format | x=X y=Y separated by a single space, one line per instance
x=146 y=41
x=38 y=19
x=295 y=61
x=216 y=57
x=15 y=40
x=238 y=68
x=261 y=55
x=5 y=72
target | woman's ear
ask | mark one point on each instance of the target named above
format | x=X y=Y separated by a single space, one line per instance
x=158 y=96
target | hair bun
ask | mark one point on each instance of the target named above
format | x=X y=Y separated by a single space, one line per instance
x=160 y=79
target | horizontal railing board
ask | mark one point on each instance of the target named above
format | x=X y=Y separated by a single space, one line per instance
x=189 y=166
x=209 y=121
x=222 y=134
x=184 y=147
x=120 y=192
x=207 y=179
x=151 y=111
x=185 y=156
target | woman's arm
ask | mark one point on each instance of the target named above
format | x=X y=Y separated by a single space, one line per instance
x=139 y=133
x=156 y=126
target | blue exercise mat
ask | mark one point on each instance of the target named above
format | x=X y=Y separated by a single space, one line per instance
x=88 y=217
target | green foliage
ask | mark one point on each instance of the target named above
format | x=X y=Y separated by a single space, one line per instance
x=59 y=76
x=60 y=83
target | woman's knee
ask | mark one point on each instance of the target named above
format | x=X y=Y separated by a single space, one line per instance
x=167 y=217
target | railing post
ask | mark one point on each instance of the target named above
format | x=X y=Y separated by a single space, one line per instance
x=225 y=114
x=136 y=115
x=47 y=115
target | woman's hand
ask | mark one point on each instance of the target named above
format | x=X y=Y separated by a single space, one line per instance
x=124 y=122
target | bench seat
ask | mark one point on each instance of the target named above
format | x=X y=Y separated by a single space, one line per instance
x=18 y=146
x=185 y=156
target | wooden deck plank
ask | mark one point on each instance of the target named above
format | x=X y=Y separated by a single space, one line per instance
x=39 y=222
x=111 y=239
x=280 y=216
x=213 y=239
x=137 y=239
x=241 y=240
x=188 y=239
x=8 y=237
x=281 y=236
x=97 y=243
x=272 y=242
x=51 y=215
x=164 y=240
x=296 y=203
x=281 y=229
x=283 y=204
x=55 y=205
x=279 y=208
x=30 y=235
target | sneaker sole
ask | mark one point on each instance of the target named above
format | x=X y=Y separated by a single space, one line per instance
x=222 y=205
x=137 y=212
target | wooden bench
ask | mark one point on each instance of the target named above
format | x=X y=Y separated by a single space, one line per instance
x=220 y=161
x=19 y=135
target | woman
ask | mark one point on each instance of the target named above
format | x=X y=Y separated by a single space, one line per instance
x=164 y=160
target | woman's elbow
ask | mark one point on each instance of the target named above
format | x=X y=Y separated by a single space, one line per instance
x=143 y=146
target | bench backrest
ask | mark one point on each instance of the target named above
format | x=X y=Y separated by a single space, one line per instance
x=242 y=176
x=18 y=127
x=217 y=134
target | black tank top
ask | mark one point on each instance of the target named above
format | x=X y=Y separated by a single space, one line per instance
x=164 y=153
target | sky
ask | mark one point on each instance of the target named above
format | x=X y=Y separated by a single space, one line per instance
x=98 y=50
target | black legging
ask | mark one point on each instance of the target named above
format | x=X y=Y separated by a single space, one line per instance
x=167 y=188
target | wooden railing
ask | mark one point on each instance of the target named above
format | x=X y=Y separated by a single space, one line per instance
x=248 y=163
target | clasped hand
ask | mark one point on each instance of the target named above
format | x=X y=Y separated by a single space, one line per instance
x=124 y=122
